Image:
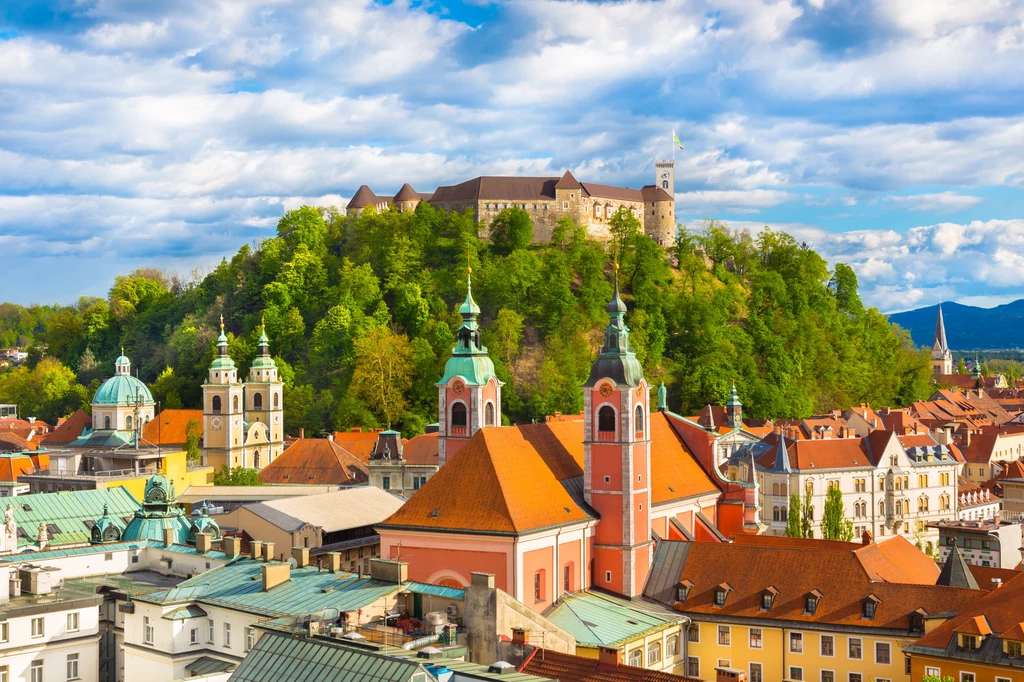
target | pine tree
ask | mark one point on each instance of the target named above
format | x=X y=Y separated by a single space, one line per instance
x=794 y=522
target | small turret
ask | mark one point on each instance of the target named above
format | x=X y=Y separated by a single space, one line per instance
x=734 y=410
x=662 y=398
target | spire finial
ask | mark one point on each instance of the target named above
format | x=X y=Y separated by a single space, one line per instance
x=263 y=322
x=222 y=323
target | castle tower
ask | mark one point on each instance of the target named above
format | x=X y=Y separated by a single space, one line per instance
x=617 y=459
x=942 y=357
x=665 y=175
x=223 y=434
x=264 y=403
x=469 y=393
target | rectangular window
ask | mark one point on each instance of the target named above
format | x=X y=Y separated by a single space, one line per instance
x=883 y=653
x=38 y=629
x=693 y=633
x=724 y=635
x=828 y=676
x=796 y=642
x=536 y=587
x=386 y=482
x=693 y=666
x=5 y=674
x=796 y=673
x=250 y=638
x=607 y=576
x=828 y=645
x=855 y=650
x=724 y=663
x=566 y=578
x=36 y=674
x=193 y=636
x=934 y=672
x=756 y=674
x=227 y=635
x=209 y=630
x=755 y=638
x=5 y=632
x=73 y=667
x=671 y=646
x=856 y=677
x=147 y=627
x=73 y=621
x=967 y=677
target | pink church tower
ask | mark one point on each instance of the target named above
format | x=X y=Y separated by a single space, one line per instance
x=617 y=459
x=469 y=393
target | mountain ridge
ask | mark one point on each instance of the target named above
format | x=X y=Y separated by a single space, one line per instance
x=967 y=327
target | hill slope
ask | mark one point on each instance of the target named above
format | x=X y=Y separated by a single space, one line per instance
x=967 y=327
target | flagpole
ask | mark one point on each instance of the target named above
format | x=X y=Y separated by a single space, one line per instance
x=673 y=146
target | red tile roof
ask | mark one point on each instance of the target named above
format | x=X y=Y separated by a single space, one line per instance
x=12 y=442
x=315 y=461
x=421 y=450
x=69 y=430
x=569 y=668
x=358 y=442
x=828 y=453
x=168 y=427
x=1000 y=611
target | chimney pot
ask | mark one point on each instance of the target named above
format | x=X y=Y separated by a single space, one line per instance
x=168 y=537
x=268 y=550
x=275 y=574
x=334 y=561
x=302 y=433
x=301 y=556
x=232 y=546
x=256 y=549
x=609 y=655
x=204 y=542
x=518 y=636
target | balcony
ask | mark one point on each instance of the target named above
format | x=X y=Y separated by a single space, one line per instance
x=606 y=436
x=459 y=430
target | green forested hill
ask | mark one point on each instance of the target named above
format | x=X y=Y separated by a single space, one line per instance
x=342 y=297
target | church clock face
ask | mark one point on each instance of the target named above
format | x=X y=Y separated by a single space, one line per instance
x=277 y=419
x=215 y=422
x=458 y=387
x=664 y=174
x=606 y=390
x=237 y=422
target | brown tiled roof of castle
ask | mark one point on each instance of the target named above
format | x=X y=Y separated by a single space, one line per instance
x=363 y=197
x=567 y=181
x=497 y=187
x=407 y=193
x=655 y=193
x=315 y=461
x=612 y=192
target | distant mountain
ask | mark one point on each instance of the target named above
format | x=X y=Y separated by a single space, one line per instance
x=967 y=327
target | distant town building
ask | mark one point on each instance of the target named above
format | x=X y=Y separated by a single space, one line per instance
x=986 y=542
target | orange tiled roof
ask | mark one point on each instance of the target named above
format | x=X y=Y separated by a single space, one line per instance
x=1000 y=611
x=675 y=473
x=839 y=576
x=168 y=427
x=1016 y=633
x=70 y=429
x=421 y=450
x=984 y=575
x=1014 y=469
x=15 y=465
x=977 y=625
x=12 y=442
x=915 y=567
x=570 y=668
x=315 y=461
x=828 y=453
x=485 y=487
x=357 y=442
x=797 y=543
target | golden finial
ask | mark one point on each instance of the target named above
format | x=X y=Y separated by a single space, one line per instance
x=469 y=263
x=122 y=350
x=222 y=323
x=263 y=322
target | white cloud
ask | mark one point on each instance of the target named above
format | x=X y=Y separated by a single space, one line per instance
x=937 y=201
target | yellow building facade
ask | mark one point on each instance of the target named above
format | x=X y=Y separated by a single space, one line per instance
x=174 y=467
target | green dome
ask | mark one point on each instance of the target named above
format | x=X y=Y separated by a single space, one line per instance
x=122 y=389
x=159 y=490
x=122 y=360
x=151 y=525
x=203 y=524
x=105 y=530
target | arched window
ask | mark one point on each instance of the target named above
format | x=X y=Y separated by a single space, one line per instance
x=567 y=577
x=234 y=403
x=538 y=585
x=775 y=514
x=785 y=514
x=783 y=490
x=489 y=414
x=215 y=404
x=256 y=459
x=899 y=507
x=277 y=400
x=459 y=419
x=257 y=401
x=664 y=184
x=639 y=426
x=810 y=487
x=881 y=508
x=106 y=422
x=128 y=422
x=606 y=419
x=775 y=489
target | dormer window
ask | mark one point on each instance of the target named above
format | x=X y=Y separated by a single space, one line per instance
x=917 y=620
x=721 y=593
x=1013 y=649
x=969 y=642
x=811 y=603
x=683 y=590
x=768 y=598
x=868 y=607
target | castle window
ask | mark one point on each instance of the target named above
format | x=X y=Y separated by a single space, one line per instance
x=489 y=414
x=565 y=205
x=606 y=419
x=257 y=401
x=106 y=422
x=459 y=415
x=664 y=184
x=215 y=404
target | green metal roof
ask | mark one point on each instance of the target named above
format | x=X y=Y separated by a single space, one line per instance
x=66 y=513
x=283 y=658
x=122 y=389
x=436 y=590
x=103 y=439
x=477 y=370
x=208 y=665
x=101 y=549
x=184 y=613
x=601 y=620
x=239 y=586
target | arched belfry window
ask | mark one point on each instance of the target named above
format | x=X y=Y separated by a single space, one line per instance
x=234 y=403
x=606 y=419
x=459 y=416
x=489 y=414
x=639 y=425
x=277 y=400
x=106 y=422
x=664 y=184
x=215 y=404
x=257 y=401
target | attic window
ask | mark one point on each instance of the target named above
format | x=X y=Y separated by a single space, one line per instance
x=811 y=603
x=768 y=598
x=52 y=529
x=312 y=476
x=287 y=475
x=917 y=621
x=89 y=524
x=568 y=510
x=671 y=489
x=868 y=607
x=683 y=590
x=721 y=592
x=435 y=513
x=25 y=506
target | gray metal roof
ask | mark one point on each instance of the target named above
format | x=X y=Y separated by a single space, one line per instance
x=283 y=658
x=278 y=518
x=338 y=510
x=667 y=566
x=207 y=665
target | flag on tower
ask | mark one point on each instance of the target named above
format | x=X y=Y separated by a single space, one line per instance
x=676 y=139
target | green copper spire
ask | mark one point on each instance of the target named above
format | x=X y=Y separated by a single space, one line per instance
x=469 y=356
x=616 y=360
x=223 y=360
x=662 y=397
x=734 y=399
x=263 y=360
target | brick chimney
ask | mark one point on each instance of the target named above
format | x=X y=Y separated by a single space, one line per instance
x=609 y=655
x=301 y=556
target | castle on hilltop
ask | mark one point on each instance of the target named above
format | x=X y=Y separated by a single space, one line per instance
x=546 y=199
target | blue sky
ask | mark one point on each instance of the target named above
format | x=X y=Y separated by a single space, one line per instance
x=888 y=135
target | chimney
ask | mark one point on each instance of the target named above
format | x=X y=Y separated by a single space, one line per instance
x=997 y=583
x=268 y=550
x=256 y=549
x=389 y=571
x=301 y=556
x=334 y=561
x=274 y=575
x=302 y=433
x=232 y=546
x=518 y=636
x=609 y=655
x=487 y=579
x=866 y=538
x=168 y=537
x=204 y=542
